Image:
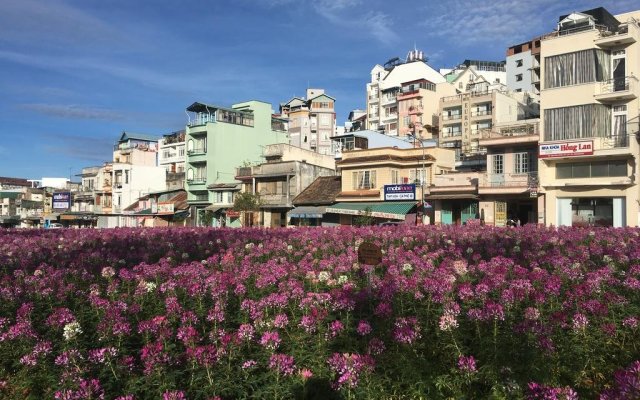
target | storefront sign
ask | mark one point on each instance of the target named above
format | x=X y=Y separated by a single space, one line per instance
x=399 y=192
x=165 y=208
x=62 y=200
x=232 y=214
x=566 y=149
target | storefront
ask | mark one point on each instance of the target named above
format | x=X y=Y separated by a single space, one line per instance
x=591 y=211
x=353 y=213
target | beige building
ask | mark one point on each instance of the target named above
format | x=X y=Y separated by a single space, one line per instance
x=286 y=172
x=465 y=116
x=311 y=121
x=365 y=173
x=588 y=157
x=418 y=107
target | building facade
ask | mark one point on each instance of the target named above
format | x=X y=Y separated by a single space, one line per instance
x=171 y=156
x=218 y=139
x=589 y=109
x=311 y=121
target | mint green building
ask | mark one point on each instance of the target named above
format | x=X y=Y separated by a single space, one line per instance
x=218 y=140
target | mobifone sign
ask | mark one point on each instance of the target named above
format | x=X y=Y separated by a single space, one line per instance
x=399 y=192
x=61 y=200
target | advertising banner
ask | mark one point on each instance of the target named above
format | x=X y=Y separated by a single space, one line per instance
x=566 y=149
x=402 y=192
x=165 y=208
x=62 y=201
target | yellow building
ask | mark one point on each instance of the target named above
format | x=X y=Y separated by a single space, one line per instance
x=588 y=153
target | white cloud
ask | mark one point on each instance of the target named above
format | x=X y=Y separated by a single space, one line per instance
x=468 y=22
x=348 y=16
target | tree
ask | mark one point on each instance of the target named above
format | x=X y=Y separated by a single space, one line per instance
x=247 y=202
x=364 y=219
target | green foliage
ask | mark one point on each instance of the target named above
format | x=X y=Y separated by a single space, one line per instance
x=364 y=219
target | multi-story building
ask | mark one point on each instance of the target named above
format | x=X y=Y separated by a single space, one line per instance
x=523 y=67
x=477 y=75
x=509 y=187
x=136 y=149
x=386 y=84
x=589 y=108
x=171 y=156
x=418 y=107
x=119 y=183
x=311 y=120
x=219 y=138
x=288 y=170
x=464 y=116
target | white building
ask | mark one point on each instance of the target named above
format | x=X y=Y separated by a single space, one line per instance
x=171 y=156
x=385 y=85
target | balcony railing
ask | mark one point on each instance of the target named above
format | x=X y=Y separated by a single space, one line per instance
x=244 y=171
x=196 y=151
x=197 y=180
x=451 y=117
x=268 y=199
x=628 y=83
x=526 y=179
x=480 y=113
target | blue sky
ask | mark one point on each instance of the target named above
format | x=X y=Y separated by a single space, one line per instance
x=74 y=74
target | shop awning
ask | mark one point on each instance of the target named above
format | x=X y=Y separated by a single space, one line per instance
x=392 y=210
x=213 y=208
x=452 y=196
x=307 y=212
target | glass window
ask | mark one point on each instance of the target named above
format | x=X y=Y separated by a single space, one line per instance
x=618 y=168
x=521 y=163
x=581 y=170
x=498 y=163
x=563 y=171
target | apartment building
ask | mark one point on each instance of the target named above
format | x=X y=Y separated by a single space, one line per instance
x=523 y=67
x=386 y=84
x=218 y=139
x=171 y=156
x=589 y=116
x=311 y=120
x=418 y=104
x=136 y=149
x=465 y=116
x=477 y=75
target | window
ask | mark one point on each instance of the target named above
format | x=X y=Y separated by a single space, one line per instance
x=498 y=163
x=181 y=152
x=363 y=180
x=522 y=163
x=599 y=169
x=126 y=176
x=519 y=63
x=518 y=77
x=418 y=176
x=575 y=68
x=395 y=179
x=584 y=121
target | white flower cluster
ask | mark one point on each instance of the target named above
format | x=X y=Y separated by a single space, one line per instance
x=71 y=331
x=323 y=276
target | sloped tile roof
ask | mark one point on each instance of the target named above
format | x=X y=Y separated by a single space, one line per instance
x=321 y=191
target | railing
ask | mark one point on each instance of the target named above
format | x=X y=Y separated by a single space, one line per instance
x=526 y=179
x=612 y=142
x=197 y=180
x=451 y=117
x=628 y=83
x=390 y=116
x=201 y=197
x=446 y=134
x=566 y=32
x=480 y=112
x=275 y=199
x=197 y=150
x=474 y=155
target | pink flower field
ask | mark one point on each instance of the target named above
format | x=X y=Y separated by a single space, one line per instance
x=451 y=313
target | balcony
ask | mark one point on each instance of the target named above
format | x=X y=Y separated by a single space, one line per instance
x=509 y=183
x=618 y=89
x=390 y=117
x=481 y=113
x=627 y=34
x=386 y=100
x=197 y=180
x=510 y=135
x=275 y=199
x=415 y=110
x=451 y=117
x=244 y=172
x=197 y=151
